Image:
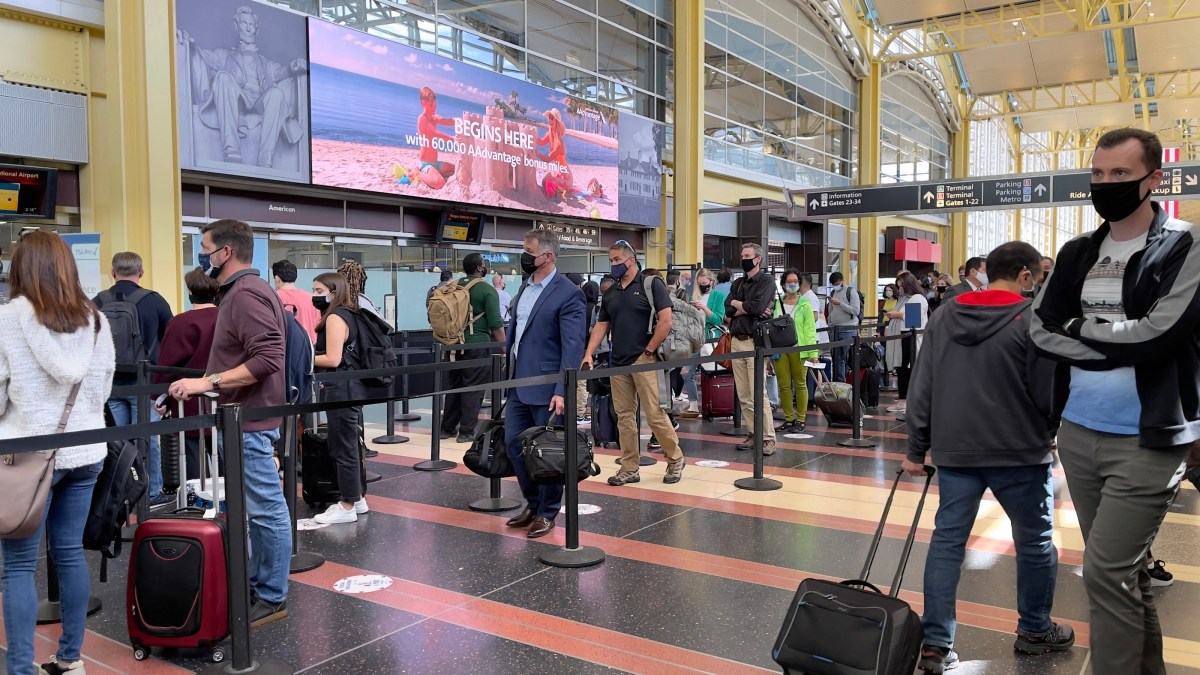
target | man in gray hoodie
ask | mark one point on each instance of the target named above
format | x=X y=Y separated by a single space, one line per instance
x=993 y=436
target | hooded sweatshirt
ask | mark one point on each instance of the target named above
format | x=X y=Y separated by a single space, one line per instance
x=38 y=367
x=980 y=395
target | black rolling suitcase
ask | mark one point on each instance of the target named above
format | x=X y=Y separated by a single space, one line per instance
x=852 y=628
x=319 y=484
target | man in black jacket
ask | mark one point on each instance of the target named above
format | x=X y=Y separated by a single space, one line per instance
x=996 y=436
x=751 y=299
x=1120 y=312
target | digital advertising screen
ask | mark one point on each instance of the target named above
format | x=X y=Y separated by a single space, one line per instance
x=391 y=119
x=27 y=191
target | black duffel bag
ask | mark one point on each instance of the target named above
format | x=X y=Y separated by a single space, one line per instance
x=545 y=454
x=488 y=456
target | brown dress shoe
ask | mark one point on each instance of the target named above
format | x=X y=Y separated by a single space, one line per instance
x=540 y=527
x=522 y=519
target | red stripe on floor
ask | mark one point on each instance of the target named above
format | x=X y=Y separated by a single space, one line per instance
x=564 y=636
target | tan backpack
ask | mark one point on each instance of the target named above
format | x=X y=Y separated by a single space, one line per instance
x=450 y=312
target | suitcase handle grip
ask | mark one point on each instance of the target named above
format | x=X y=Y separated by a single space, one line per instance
x=912 y=532
x=860 y=583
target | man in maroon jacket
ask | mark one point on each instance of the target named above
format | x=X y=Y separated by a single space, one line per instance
x=246 y=366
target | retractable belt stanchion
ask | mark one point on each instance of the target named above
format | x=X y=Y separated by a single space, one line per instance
x=229 y=419
x=302 y=561
x=494 y=502
x=757 y=481
x=856 y=440
x=572 y=554
x=405 y=415
x=49 y=610
x=435 y=461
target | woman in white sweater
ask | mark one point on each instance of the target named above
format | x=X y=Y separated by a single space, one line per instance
x=902 y=354
x=51 y=337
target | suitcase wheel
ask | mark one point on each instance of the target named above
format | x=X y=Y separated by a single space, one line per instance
x=218 y=655
x=140 y=653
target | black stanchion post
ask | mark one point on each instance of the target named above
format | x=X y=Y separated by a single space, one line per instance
x=302 y=561
x=572 y=554
x=737 y=429
x=757 y=481
x=229 y=421
x=49 y=610
x=405 y=415
x=856 y=439
x=494 y=502
x=435 y=461
x=391 y=437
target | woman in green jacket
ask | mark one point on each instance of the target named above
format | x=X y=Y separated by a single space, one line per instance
x=790 y=368
x=707 y=299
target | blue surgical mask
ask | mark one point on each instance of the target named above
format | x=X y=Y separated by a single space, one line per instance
x=205 y=261
x=618 y=271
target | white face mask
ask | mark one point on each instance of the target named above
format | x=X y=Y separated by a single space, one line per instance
x=982 y=278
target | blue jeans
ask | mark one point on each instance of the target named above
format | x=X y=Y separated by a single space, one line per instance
x=270 y=524
x=840 y=354
x=1026 y=493
x=544 y=500
x=124 y=410
x=67 y=509
x=688 y=373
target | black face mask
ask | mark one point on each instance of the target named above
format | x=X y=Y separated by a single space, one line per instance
x=1117 y=201
x=320 y=302
x=748 y=265
x=192 y=299
x=529 y=263
x=704 y=288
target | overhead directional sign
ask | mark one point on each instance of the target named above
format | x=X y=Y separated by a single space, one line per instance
x=1180 y=181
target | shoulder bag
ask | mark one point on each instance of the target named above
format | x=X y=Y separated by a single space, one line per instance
x=25 y=481
x=488 y=455
x=545 y=451
x=776 y=332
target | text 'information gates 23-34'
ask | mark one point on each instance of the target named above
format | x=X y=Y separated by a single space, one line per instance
x=1180 y=181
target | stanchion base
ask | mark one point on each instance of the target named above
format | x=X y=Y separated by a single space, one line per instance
x=734 y=431
x=390 y=440
x=859 y=443
x=758 y=484
x=433 y=465
x=584 y=556
x=373 y=477
x=257 y=667
x=51 y=612
x=305 y=561
x=643 y=460
x=407 y=417
x=493 y=505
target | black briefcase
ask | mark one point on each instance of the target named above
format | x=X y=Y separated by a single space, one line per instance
x=488 y=456
x=544 y=449
x=852 y=628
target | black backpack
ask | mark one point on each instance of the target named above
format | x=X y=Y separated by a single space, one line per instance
x=298 y=359
x=122 y=314
x=119 y=487
x=371 y=348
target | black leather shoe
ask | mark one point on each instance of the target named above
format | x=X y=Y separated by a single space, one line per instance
x=465 y=438
x=445 y=434
x=540 y=527
x=522 y=519
x=371 y=454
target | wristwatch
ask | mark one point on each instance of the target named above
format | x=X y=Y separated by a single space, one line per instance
x=215 y=380
x=647 y=352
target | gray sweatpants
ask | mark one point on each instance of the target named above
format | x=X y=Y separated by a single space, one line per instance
x=1121 y=493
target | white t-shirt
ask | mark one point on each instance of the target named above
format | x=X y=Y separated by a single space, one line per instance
x=819 y=308
x=1106 y=400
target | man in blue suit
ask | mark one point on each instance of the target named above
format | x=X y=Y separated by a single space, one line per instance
x=550 y=311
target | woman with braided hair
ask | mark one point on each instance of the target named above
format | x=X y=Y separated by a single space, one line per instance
x=356 y=277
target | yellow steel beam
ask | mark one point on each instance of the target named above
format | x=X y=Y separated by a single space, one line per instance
x=689 y=134
x=1128 y=88
x=1024 y=22
x=955 y=253
x=869 y=158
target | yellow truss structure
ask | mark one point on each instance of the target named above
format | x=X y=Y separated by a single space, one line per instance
x=1126 y=88
x=1023 y=22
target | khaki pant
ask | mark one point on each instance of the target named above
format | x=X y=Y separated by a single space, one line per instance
x=627 y=390
x=581 y=398
x=743 y=381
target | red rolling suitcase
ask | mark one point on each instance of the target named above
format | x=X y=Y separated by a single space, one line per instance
x=716 y=394
x=177 y=593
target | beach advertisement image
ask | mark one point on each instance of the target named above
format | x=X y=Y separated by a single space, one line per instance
x=392 y=119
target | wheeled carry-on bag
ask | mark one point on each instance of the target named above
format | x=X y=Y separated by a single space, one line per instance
x=834 y=399
x=319 y=484
x=716 y=394
x=604 y=420
x=178 y=589
x=852 y=628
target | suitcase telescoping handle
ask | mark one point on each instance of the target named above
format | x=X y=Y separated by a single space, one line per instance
x=908 y=542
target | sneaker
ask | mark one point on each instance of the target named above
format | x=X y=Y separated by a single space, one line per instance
x=262 y=612
x=465 y=438
x=56 y=667
x=336 y=514
x=583 y=419
x=937 y=660
x=624 y=477
x=675 y=424
x=371 y=454
x=682 y=398
x=1159 y=576
x=1058 y=639
x=445 y=434
x=674 y=471
x=360 y=506
x=896 y=409
x=768 y=448
x=653 y=443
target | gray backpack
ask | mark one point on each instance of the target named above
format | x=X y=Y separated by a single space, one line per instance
x=687 y=328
